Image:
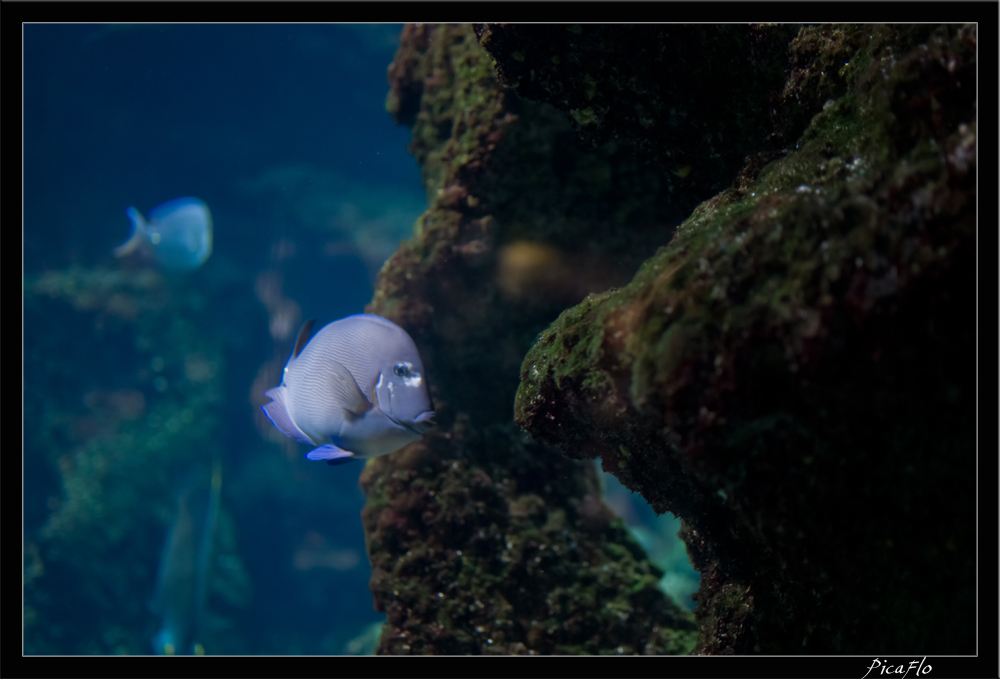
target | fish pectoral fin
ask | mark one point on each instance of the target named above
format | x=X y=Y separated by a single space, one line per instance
x=328 y=452
x=347 y=392
x=351 y=416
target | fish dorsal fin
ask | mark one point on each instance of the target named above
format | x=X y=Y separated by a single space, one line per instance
x=304 y=334
x=347 y=392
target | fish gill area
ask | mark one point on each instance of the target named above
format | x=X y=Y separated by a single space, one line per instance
x=737 y=264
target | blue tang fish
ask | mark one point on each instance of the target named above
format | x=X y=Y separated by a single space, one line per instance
x=178 y=232
x=182 y=581
x=355 y=390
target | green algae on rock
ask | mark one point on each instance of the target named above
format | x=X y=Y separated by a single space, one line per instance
x=470 y=557
x=481 y=542
x=793 y=374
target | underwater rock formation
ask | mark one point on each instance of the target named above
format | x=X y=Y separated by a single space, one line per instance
x=793 y=374
x=480 y=540
x=695 y=98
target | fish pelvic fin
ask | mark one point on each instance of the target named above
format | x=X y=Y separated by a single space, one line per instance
x=277 y=412
x=329 y=452
x=136 y=237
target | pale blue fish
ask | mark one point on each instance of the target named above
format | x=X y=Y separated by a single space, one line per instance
x=182 y=581
x=178 y=233
x=355 y=390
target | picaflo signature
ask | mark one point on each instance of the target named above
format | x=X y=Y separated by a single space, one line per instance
x=885 y=668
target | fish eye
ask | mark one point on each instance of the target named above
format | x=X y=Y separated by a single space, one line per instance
x=401 y=370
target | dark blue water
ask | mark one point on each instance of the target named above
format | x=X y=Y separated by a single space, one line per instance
x=282 y=131
x=135 y=115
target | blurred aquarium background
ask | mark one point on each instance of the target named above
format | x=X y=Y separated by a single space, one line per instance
x=142 y=388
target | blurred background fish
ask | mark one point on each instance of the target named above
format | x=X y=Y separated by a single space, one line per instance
x=182 y=582
x=178 y=234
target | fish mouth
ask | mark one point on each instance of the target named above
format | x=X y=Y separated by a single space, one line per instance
x=421 y=424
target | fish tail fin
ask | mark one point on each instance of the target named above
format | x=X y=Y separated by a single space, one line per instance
x=277 y=412
x=137 y=235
